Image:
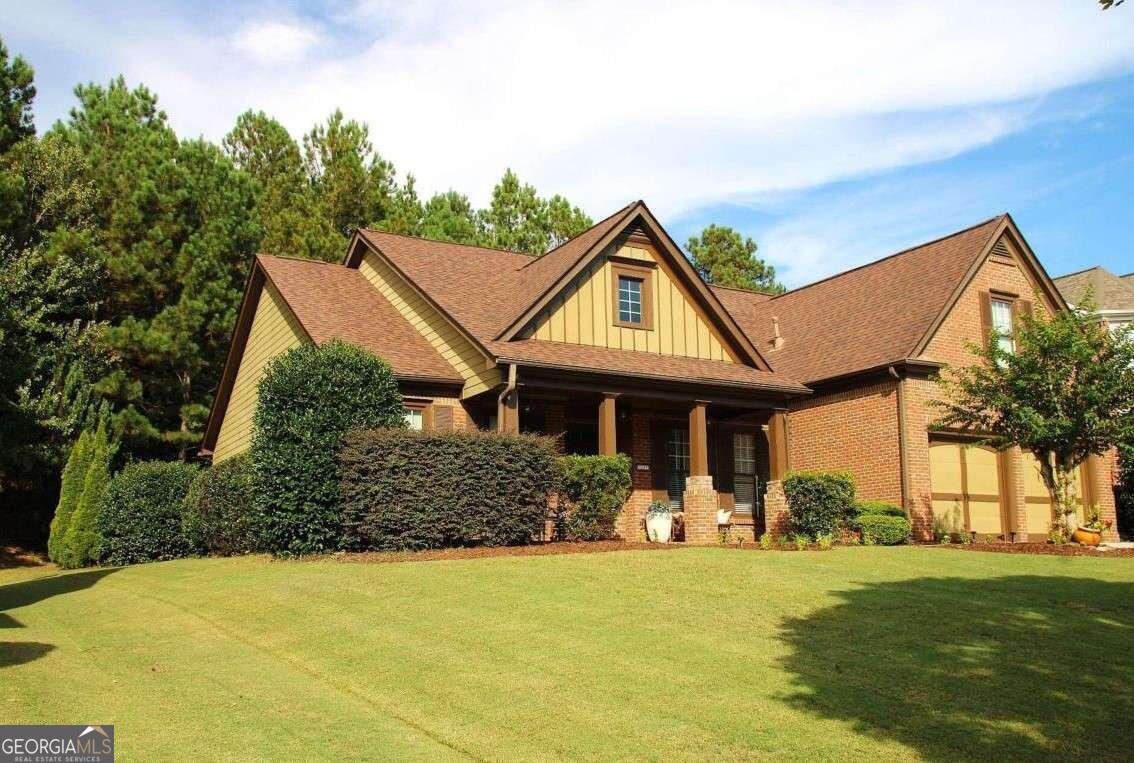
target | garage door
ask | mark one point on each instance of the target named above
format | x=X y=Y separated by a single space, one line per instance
x=965 y=481
x=1041 y=510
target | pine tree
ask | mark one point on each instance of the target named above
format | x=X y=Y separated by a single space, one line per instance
x=725 y=258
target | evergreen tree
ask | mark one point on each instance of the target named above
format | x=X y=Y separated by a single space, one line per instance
x=517 y=219
x=80 y=546
x=74 y=476
x=450 y=216
x=725 y=258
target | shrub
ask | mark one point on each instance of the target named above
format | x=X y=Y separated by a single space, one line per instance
x=140 y=519
x=819 y=501
x=82 y=542
x=592 y=491
x=825 y=541
x=70 y=490
x=800 y=540
x=767 y=541
x=884 y=530
x=309 y=398
x=218 y=516
x=879 y=507
x=413 y=490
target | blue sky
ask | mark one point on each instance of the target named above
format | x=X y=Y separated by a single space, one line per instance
x=833 y=133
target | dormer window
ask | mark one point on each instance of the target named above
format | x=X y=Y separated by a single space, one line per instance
x=633 y=288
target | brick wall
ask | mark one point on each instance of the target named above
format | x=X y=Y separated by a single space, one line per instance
x=631 y=524
x=855 y=430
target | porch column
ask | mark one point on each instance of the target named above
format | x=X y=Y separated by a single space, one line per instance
x=508 y=406
x=608 y=425
x=699 y=501
x=775 y=502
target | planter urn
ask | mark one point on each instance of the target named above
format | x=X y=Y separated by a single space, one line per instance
x=659 y=526
x=1087 y=537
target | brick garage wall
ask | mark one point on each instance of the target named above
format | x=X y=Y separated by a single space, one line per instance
x=854 y=430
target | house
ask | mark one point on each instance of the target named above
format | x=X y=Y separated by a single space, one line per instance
x=1113 y=294
x=614 y=342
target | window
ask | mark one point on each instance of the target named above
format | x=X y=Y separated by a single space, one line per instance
x=1002 y=323
x=629 y=300
x=414 y=418
x=677 y=465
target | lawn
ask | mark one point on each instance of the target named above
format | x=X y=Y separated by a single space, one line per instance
x=697 y=653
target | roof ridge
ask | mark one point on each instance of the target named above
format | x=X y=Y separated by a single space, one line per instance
x=1078 y=272
x=300 y=259
x=907 y=250
x=453 y=243
x=582 y=233
x=742 y=289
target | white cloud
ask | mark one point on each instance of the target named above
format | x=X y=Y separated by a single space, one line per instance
x=274 y=42
x=678 y=103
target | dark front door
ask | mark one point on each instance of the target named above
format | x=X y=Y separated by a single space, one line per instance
x=677 y=464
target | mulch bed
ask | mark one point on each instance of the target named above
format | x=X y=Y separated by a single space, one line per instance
x=484 y=552
x=1047 y=549
x=14 y=556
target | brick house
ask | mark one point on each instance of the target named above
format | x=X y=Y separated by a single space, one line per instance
x=613 y=342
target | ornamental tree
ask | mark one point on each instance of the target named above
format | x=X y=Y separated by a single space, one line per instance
x=1065 y=392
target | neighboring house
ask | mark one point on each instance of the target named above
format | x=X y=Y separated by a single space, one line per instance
x=1114 y=295
x=615 y=343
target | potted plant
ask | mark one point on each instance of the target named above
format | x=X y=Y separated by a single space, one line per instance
x=659 y=522
x=1090 y=534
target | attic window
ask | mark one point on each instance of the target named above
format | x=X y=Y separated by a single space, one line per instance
x=1002 y=323
x=632 y=287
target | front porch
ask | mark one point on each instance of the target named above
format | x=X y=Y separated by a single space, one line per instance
x=699 y=447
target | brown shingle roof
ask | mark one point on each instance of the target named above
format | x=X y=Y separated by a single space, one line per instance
x=336 y=302
x=863 y=318
x=1111 y=292
x=483 y=289
x=639 y=364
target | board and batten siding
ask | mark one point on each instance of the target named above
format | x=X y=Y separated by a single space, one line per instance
x=457 y=350
x=275 y=330
x=584 y=314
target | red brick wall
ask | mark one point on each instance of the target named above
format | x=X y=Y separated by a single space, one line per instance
x=855 y=430
x=631 y=522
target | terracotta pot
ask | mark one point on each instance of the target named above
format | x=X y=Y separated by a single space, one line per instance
x=1087 y=537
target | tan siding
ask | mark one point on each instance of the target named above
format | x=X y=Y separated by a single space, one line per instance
x=465 y=358
x=274 y=330
x=584 y=315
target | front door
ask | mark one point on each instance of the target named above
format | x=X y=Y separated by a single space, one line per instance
x=677 y=465
x=744 y=473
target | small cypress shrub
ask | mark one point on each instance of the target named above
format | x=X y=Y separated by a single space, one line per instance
x=140 y=519
x=70 y=490
x=883 y=529
x=593 y=490
x=406 y=490
x=879 y=507
x=218 y=517
x=818 y=501
x=81 y=543
x=309 y=398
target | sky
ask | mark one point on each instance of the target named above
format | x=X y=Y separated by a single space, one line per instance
x=832 y=133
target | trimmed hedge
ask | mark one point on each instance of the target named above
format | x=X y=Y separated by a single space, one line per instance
x=884 y=529
x=819 y=501
x=406 y=490
x=879 y=507
x=309 y=398
x=218 y=516
x=140 y=519
x=592 y=492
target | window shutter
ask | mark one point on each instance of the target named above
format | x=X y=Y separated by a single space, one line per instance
x=658 y=467
x=985 y=316
x=442 y=418
x=723 y=471
x=1022 y=307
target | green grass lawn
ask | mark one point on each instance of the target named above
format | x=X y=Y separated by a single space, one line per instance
x=695 y=653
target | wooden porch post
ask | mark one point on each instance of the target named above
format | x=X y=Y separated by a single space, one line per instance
x=607 y=425
x=508 y=406
x=777 y=446
x=698 y=440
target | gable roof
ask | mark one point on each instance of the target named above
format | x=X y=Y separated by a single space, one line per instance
x=1111 y=292
x=870 y=316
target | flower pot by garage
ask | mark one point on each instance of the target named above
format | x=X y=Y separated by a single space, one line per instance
x=1087 y=537
x=659 y=524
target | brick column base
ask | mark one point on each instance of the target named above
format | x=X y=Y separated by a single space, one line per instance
x=776 y=518
x=700 y=507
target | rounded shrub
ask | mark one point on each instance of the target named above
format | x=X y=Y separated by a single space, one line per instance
x=818 y=501
x=218 y=517
x=309 y=398
x=879 y=507
x=592 y=492
x=883 y=529
x=140 y=519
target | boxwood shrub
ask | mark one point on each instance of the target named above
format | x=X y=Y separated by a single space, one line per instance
x=140 y=519
x=592 y=492
x=883 y=529
x=218 y=517
x=406 y=490
x=819 y=501
x=879 y=507
x=309 y=398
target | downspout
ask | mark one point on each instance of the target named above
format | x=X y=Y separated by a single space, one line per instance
x=902 y=454
x=502 y=400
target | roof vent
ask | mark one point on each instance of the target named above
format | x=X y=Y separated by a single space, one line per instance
x=1000 y=249
x=777 y=339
